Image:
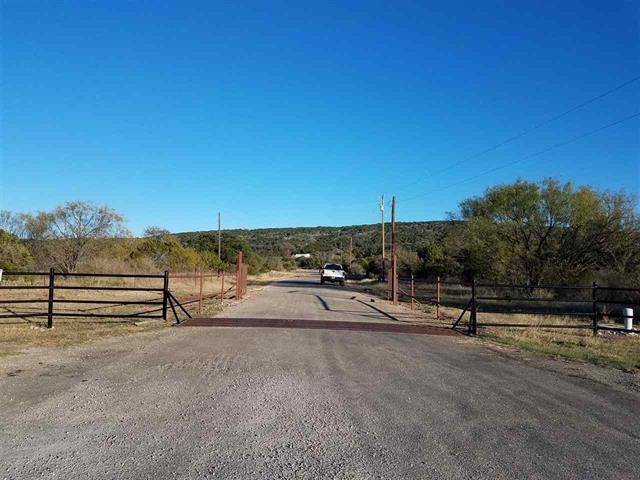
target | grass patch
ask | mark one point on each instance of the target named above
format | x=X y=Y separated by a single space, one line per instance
x=15 y=338
x=619 y=351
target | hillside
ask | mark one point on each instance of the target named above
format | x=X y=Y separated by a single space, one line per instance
x=366 y=238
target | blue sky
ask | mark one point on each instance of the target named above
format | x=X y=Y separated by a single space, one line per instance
x=295 y=113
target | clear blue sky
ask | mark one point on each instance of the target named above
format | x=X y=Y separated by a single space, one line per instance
x=290 y=114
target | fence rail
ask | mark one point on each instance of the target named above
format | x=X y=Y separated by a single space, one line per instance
x=51 y=286
x=47 y=301
x=593 y=302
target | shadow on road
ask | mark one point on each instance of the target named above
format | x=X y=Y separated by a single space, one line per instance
x=312 y=283
x=319 y=325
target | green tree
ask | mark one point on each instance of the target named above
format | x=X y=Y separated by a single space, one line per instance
x=436 y=260
x=547 y=231
x=14 y=255
x=408 y=261
x=167 y=253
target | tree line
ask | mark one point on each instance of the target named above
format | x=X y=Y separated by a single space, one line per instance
x=84 y=237
x=524 y=232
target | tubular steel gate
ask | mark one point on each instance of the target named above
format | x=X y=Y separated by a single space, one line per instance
x=592 y=307
x=53 y=290
x=49 y=286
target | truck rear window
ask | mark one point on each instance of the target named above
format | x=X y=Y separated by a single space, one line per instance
x=333 y=266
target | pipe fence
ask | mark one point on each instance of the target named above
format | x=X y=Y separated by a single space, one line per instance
x=25 y=295
x=590 y=306
x=48 y=285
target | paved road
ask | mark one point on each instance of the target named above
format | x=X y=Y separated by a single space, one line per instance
x=295 y=403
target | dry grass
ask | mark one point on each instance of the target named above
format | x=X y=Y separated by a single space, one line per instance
x=17 y=337
x=610 y=349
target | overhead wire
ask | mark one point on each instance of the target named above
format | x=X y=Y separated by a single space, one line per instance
x=527 y=130
x=527 y=157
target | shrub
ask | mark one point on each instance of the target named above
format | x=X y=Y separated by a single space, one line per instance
x=14 y=255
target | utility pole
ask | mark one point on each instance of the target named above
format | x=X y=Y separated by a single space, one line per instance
x=383 y=242
x=219 y=239
x=350 y=251
x=393 y=225
x=394 y=258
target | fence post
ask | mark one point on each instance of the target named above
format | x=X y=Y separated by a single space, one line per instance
x=200 y=295
x=594 y=298
x=245 y=272
x=437 y=298
x=239 y=277
x=244 y=279
x=165 y=295
x=474 y=310
x=388 y=280
x=52 y=276
x=413 y=291
x=394 y=279
x=222 y=289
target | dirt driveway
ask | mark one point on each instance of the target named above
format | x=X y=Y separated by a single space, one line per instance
x=247 y=402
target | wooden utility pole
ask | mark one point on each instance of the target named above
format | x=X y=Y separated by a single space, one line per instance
x=394 y=258
x=219 y=239
x=393 y=225
x=350 y=251
x=383 y=242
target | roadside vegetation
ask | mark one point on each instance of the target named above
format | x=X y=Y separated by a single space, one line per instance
x=84 y=237
x=525 y=232
x=615 y=350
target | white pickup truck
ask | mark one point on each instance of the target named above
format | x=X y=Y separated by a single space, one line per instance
x=333 y=272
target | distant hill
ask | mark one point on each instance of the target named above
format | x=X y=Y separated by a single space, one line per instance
x=366 y=238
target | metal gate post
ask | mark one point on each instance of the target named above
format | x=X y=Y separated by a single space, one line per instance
x=413 y=291
x=437 y=298
x=594 y=298
x=52 y=276
x=200 y=293
x=473 y=317
x=165 y=295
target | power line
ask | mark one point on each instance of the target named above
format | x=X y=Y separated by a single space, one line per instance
x=536 y=154
x=529 y=130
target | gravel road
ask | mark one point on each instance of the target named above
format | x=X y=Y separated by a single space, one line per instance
x=273 y=403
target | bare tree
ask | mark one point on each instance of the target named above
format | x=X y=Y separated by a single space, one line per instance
x=12 y=222
x=68 y=235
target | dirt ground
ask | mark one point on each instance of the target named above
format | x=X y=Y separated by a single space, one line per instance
x=263 y=402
